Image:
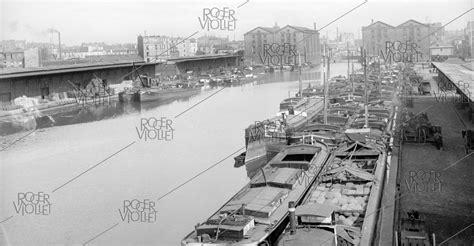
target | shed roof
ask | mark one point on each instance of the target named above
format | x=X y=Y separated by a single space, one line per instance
x=27 y=72
x=460 y=76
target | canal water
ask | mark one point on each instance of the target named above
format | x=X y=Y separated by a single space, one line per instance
x=87 y=207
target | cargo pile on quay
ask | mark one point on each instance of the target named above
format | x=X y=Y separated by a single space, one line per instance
x=317 y=169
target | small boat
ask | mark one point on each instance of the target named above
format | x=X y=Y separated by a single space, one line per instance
x=232 y=79
x=338 y=79
x=311 y=91
x=128 y=96
x=294 y=102
x=277 y=68
x=265 y=139
x=153 y=94
x=239 y=160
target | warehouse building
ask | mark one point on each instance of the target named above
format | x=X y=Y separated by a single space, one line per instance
x=55 y=81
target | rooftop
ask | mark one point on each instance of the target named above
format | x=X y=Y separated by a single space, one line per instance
x=25 y=72
x=461 y=75
x=277 y=29
x=402 y=24
x=203 y=57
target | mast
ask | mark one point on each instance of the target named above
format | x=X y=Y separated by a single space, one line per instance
x=364 y=63
x=329 y=63
x=348 y=69
x=325 y=80
x=352 y=79
x=299 y=76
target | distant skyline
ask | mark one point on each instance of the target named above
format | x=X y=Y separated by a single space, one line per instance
x=122 y=21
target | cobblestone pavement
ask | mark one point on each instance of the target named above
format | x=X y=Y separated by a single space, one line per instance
x=438 y=183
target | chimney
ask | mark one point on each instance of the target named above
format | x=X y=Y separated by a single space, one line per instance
x=59 y=46
x=314 y=24
x=372 y=21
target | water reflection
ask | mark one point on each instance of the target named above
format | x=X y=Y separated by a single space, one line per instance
x=77 y=114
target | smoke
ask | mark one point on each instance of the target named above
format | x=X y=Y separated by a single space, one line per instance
x=20 y=31
x=38 y=33
x=52 y=30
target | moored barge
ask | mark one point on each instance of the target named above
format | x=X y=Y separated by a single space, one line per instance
x=256 y=214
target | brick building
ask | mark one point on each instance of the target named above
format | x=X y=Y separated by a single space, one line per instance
x=409 y=41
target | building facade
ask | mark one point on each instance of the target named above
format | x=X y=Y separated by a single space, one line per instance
x=275 y=46
x=439 y=50
x=32 y=58
x=437 y=33
x=52 y=81
x=157 y=47
x=187 y=48
x=12 y=45
x=11 y=59
x=207 y=45
x=407 y=42
x=469 y=32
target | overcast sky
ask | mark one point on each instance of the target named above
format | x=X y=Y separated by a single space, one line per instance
x=120 y=21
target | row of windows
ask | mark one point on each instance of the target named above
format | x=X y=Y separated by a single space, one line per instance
x=162 y=46
x=281 y=34
x=372 y=31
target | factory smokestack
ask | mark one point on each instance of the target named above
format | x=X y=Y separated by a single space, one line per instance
x=51 y=30
x=59 y=46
